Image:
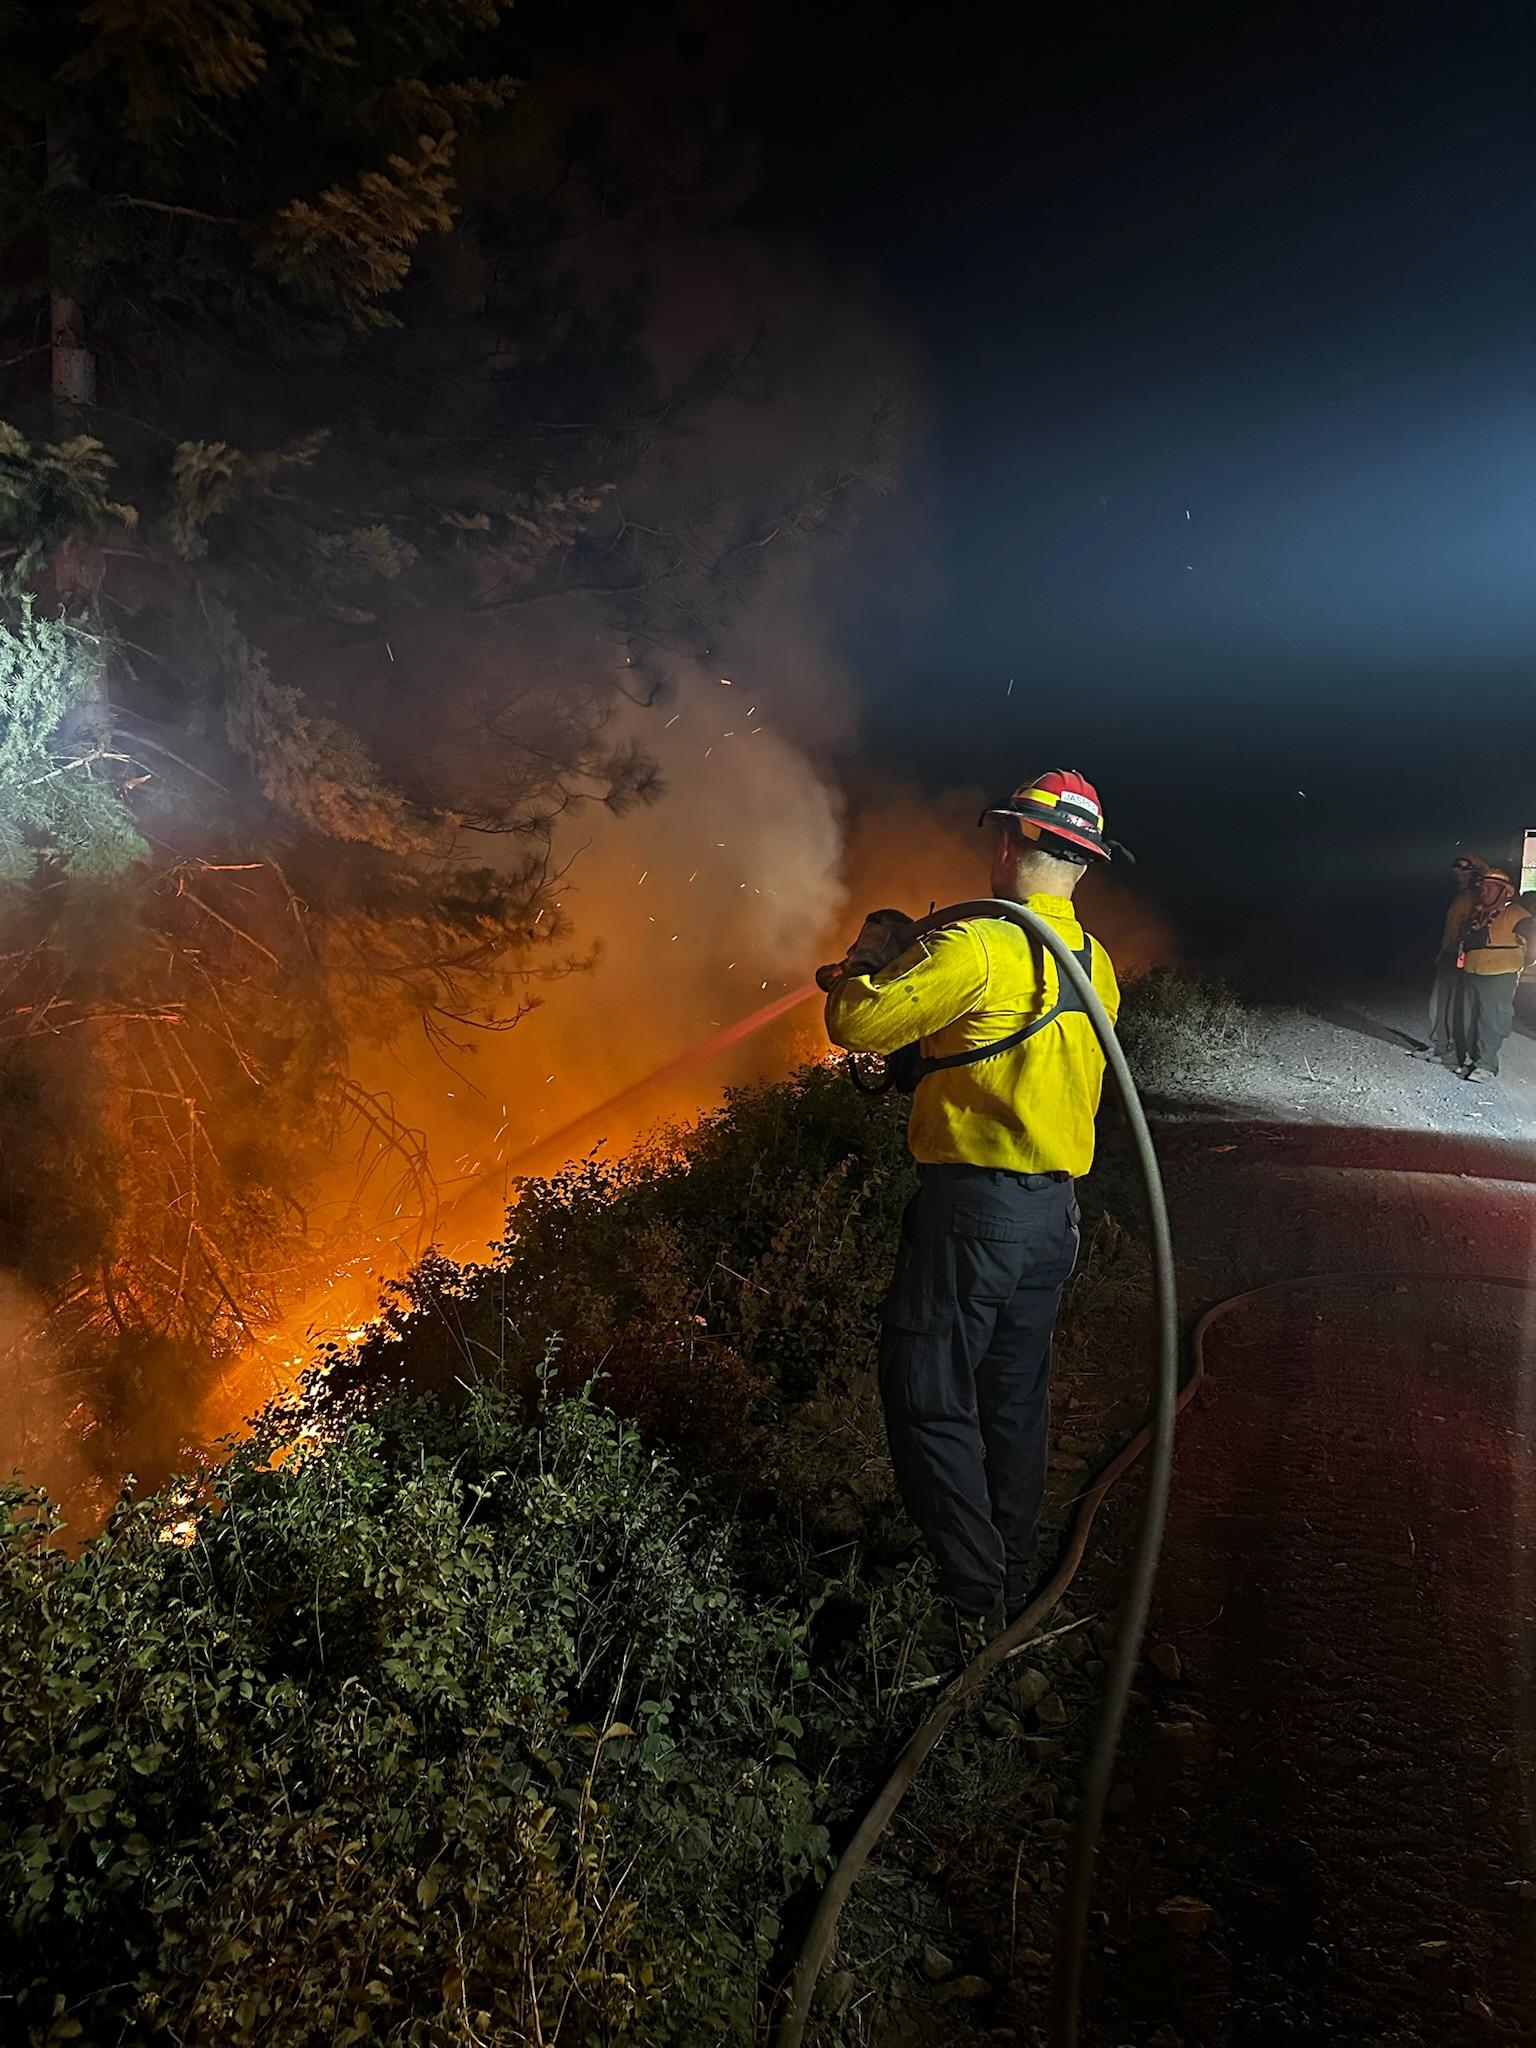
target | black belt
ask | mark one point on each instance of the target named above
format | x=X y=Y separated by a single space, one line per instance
x=1028 y=1180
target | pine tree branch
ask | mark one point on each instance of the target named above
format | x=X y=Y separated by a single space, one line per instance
x=165 y=753
x=132 y=420
x=208 y=1249
x=235 y=931
x=496 y=604
x=658 y=203
x=45 y=1017
x=760 y=540
x=83 y=761
x=213 y=220
x=110 y=1298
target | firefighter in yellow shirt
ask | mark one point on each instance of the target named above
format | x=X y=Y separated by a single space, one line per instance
x=1002 y=1123
x=1498 y=943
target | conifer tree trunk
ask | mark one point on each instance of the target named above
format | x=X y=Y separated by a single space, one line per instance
x=73 y=359
x=75 y=567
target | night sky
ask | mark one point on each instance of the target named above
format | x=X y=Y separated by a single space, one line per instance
x=1228 y=333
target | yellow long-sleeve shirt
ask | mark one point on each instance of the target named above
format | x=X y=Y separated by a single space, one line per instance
x=1030 y=1110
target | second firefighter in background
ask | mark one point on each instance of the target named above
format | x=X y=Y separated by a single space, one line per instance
x=1001 y=1126
x=1498 y=940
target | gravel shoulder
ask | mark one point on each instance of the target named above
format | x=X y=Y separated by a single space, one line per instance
x=1344 y=1062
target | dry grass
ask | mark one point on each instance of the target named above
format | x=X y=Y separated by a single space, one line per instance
x=1181 y=1030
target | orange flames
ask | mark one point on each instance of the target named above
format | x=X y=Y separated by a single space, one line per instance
x=473 y=1215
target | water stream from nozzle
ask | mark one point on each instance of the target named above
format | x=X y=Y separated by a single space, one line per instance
x=696 y=1055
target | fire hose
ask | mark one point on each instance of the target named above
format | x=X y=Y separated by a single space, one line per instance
x=1157 y=1435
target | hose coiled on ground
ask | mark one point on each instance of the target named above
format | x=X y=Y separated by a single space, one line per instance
x=1157 y=1434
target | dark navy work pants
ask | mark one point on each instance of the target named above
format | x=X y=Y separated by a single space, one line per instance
x=965 y=1367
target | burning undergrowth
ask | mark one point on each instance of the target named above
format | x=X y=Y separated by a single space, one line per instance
x=529 y=1701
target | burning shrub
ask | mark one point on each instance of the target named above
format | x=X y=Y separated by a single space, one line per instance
x=452 y=1727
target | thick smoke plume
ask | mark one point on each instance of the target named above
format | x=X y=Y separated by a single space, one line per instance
x=692 y=914
x=688 y=914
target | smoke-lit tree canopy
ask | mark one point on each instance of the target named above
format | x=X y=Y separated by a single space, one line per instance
x=314 y=417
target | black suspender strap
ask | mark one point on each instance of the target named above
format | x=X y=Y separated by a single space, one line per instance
x=1067 y=1001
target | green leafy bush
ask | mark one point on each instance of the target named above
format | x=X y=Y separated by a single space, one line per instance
x=452 y=1726
x=724 y=1286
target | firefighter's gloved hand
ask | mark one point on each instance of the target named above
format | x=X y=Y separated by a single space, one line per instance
x=883 y=936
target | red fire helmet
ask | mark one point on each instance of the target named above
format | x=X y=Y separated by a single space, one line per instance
x=1060 y=802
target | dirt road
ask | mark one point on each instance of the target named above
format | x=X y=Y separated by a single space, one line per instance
x=1343 y=1768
